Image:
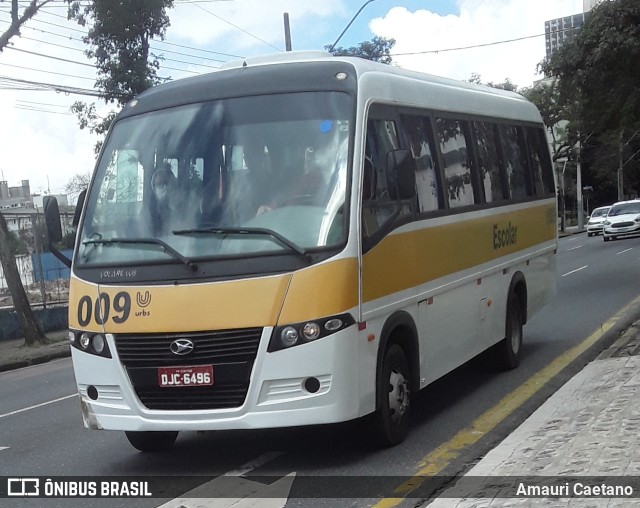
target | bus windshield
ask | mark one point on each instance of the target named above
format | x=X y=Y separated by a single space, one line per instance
x=231 y=177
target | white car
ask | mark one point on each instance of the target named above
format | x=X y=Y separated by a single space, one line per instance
x=598 y=216
x=623 y=219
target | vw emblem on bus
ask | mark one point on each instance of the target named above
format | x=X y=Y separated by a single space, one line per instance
x=181 y=347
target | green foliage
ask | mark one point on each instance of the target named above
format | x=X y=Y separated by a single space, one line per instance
x=598 y=89
x=377 y=49
x=119 y=33
x=598 y=70
x=17 y=245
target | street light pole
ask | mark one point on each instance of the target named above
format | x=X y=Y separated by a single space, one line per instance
x=347 y=27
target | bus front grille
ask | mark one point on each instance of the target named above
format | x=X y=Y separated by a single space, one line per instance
x=193 y=398
x=231 y=353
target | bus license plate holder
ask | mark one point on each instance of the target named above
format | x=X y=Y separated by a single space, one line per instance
x=193 y=375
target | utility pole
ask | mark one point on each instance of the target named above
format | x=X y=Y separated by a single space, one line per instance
x=287 y=32
x=579 y=190
x=620 y=173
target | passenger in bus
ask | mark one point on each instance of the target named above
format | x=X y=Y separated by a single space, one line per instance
x=164 y=201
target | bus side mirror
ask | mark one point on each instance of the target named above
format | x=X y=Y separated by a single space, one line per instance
x=54 y=227
x=52 y=219
x=401 y=174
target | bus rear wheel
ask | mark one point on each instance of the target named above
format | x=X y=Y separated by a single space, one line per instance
x=508 y=350
x=391 y=424
x=152 y=441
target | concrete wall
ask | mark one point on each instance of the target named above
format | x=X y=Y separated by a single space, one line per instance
x=50 y=319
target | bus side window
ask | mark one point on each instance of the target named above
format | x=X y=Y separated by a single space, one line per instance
x=540 y=161
x=487 y=147
x=515 y=161
x=455 y=157
x=421 y=144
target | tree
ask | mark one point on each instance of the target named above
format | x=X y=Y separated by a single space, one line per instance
x=33 y=333
x=78 y=183
x=9 y=243
x=598 y=70
x=377 y=49
x=119 y=35
x=558 y=118
x=18 y=20
x=599 y=80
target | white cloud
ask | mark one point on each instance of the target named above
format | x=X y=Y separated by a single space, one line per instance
x=479 y=22
x=48 y=148
x=248 y=26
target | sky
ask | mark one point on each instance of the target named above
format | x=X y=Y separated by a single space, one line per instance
x=40 y=140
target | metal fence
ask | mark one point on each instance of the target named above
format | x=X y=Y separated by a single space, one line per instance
x=44 y=277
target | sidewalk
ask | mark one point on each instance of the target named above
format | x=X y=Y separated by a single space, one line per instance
x=586 y=434
x=14 y=354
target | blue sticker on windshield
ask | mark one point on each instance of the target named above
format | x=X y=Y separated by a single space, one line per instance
x=325 y=126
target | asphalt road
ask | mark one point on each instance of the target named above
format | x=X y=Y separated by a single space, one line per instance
x=41 y=431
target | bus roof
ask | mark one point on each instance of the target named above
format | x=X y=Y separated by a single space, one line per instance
x=376 y=81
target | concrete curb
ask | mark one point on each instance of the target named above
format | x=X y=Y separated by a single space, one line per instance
x=36 y=360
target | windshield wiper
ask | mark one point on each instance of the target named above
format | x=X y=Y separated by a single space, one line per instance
x=247 y=231
x=148 y=241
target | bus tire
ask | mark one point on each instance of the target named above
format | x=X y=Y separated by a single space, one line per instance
x=152 y=441
x=509 y=348
x=391 y=421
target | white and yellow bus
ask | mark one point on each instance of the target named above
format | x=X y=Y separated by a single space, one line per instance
x=304 y=239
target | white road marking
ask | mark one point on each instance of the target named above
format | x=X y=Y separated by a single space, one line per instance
x=576 y=270
x=623 y=251
x=231 y=490
x=37 y=405
x=574 y=248
x=250 y=466
x=3 y=448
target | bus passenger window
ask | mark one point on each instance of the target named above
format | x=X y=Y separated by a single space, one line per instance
x=421 y=143
x=515 y=161
x=455 y=157
x=540 y=161
x=489 y=161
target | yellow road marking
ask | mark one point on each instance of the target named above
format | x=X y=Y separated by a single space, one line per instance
x=441 y=457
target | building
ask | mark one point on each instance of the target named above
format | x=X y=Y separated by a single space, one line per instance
x=21 y=209
x=559 y=30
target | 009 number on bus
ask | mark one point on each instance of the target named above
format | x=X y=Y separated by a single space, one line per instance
x=104 y=308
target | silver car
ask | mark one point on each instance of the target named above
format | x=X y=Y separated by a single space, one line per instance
x=596 y=220
x=623 y=219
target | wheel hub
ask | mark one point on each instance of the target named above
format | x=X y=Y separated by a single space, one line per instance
x=398 y=395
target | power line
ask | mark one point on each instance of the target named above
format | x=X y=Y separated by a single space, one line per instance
x=37 y=85
x=478 y=45
x=46 y=72
x=170 y=43
x=237 y=27
x=160 y=57
x=50 y=56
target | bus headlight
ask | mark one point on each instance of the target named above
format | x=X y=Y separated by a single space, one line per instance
x=289 y=336
x=294 y=334
x=89 y=342
x=311 y=331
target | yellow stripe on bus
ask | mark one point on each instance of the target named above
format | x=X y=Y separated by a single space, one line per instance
x=318 y=291
x=321 y=290
x=406 y=260
x=178 y=308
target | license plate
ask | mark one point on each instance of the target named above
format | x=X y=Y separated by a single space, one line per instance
x=199 y=375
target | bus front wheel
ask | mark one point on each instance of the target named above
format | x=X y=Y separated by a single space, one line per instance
x=152 y=441
x=392 y=418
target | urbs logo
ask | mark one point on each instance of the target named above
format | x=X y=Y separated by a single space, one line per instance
x=504 y=236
